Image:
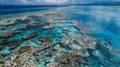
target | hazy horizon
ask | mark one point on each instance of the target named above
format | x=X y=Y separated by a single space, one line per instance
x=55 y=2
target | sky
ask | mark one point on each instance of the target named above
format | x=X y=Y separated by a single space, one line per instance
x=44 y=2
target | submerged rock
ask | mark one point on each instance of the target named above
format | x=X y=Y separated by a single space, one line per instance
x=46 y=41
x=46 y=38
x=8 y=21
x=14 y=45
x=66 y=59
x=48 y=26
x=31 y=24
x=21 y=58
x=86 y=41
x=2 y=56
x=33 y=34
x=1 y=47
x=4 y=42
x=11 y=43
x=82 y=52
x=23 y=27
x=34 y=24
x=18 y=20
x=24 y=49
x=26 y=21
x=6 y=33
x=46 y=44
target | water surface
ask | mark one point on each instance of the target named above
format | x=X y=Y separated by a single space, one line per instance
x=89 y=33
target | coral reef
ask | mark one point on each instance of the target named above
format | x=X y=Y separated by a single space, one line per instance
x=2 y=55
x=46 y=39
x=1 y=47
x=54 y=38
x=6 y=33
x=66 y=59
x=14 y=45
x=33 y=34
x=21 y=58
x=86 y=41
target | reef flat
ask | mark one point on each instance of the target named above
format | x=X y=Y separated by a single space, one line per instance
x=55 y=38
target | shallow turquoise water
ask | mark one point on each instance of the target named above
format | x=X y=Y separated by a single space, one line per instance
x=105 y=17
x=99 y=22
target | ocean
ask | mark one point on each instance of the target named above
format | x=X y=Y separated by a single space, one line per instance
x=10 y=9
x=60 y=36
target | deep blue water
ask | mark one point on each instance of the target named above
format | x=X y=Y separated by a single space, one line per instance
x=10 y=9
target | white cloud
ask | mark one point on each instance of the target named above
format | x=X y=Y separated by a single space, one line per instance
x=4 y=1
x=56 y=1
x=24 y=1
x=116 y=0
x=53 y=1
x=1 y=0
